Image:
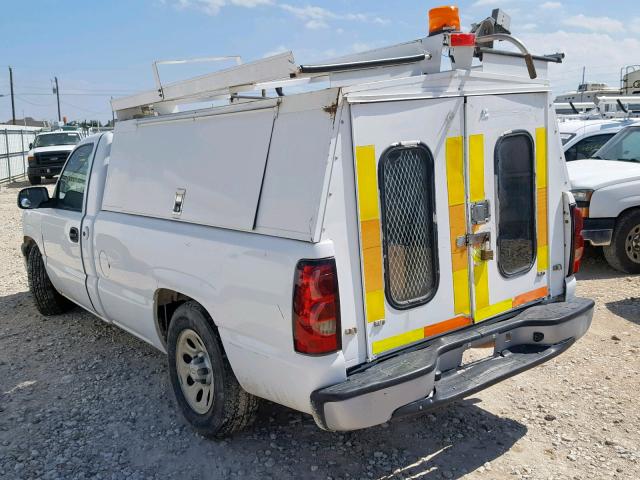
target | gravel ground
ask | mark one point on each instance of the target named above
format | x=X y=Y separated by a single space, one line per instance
x=82 y=399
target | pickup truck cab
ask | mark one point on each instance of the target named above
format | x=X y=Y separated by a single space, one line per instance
x=48 y=152
x=607 y=189
x=342 y=249
x=581 y=139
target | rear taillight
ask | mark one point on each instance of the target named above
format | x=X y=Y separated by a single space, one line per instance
x=316 y=307
x=577 y=243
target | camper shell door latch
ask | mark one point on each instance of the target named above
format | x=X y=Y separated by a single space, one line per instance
x=473 y=239
x=480 y=240
x=480 y=212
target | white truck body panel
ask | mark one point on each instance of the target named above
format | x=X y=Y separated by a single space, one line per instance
x=221 y=176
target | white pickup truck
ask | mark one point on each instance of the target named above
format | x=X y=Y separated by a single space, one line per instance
x=335 y=251
x=607 y=189
x=48 y=152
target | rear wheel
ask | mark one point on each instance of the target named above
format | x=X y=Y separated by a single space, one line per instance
x=624 y=251
x=48 y=300
x=35 y=180
x=206 y=389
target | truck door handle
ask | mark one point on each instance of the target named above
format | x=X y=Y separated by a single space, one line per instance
x=73 y=235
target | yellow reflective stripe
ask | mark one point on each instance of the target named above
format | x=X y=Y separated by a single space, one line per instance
x=397 y=341
x=493 y=310
x=542 y=200
x=481 y=284
x=457 y=224
x=455 y=170
x=541 y=157
x=461 y=292
x=476 y=167
x=370 y=236
x=418 y=334
x=543 y=258
x=367 y=183
x=375 y=305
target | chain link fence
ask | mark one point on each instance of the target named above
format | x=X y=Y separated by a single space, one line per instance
x=14 y=146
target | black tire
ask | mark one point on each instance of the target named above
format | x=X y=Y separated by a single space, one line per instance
x=48 y=300
x=621 y=254
x=232 y=408
x=35 y=180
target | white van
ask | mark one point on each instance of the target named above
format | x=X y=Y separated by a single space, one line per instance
x=335 y=251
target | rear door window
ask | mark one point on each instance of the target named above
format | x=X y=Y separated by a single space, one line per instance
x=408 y=228
x=515 y=186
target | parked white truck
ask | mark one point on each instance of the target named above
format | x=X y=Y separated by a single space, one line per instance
x=335 y=251
x=607 y=190
x=48 y=153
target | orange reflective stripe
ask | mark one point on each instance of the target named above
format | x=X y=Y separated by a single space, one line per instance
x=446 y=326
x=530 y=296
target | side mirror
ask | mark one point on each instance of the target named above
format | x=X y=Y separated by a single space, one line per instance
x=33 y=197
x=31 y=146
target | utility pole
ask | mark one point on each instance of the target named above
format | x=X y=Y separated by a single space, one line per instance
x=13 y=103
x=584 y=68
x=58 y=97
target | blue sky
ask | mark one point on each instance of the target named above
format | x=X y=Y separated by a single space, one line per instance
x=103 y=48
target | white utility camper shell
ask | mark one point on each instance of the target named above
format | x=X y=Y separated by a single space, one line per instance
x=346 y=245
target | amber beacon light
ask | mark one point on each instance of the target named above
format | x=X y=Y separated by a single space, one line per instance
x=444 y=19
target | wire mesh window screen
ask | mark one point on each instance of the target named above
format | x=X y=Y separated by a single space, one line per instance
x=406 y=185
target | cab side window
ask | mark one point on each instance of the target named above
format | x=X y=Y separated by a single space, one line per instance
x=71 y=186
x=587 y=147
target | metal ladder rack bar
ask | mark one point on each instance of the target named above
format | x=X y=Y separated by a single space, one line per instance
x=214 y=84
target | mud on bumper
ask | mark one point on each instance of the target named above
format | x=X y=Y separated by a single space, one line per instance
x=422 y=379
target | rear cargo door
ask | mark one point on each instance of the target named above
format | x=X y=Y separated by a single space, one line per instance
x=411 y=203
x=506 y=158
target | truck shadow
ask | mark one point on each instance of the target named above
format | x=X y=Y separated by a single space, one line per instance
x=629 y=309
x=595 y=267
x=446 y=443
x=59 y=371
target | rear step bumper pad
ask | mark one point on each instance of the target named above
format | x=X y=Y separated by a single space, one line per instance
x=421 y=379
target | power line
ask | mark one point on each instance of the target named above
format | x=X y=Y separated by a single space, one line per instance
x=83 y=109
x=34 y=103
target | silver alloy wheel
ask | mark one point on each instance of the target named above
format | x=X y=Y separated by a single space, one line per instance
x=193 y=366
x=632 y=244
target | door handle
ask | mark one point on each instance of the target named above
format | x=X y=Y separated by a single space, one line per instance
x=73 y=235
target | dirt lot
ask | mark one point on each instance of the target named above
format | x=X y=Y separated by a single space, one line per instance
x=81 y=399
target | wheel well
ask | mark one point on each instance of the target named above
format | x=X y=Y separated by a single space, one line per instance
x=167 y=302
x=27 y=244
x=625 y=212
